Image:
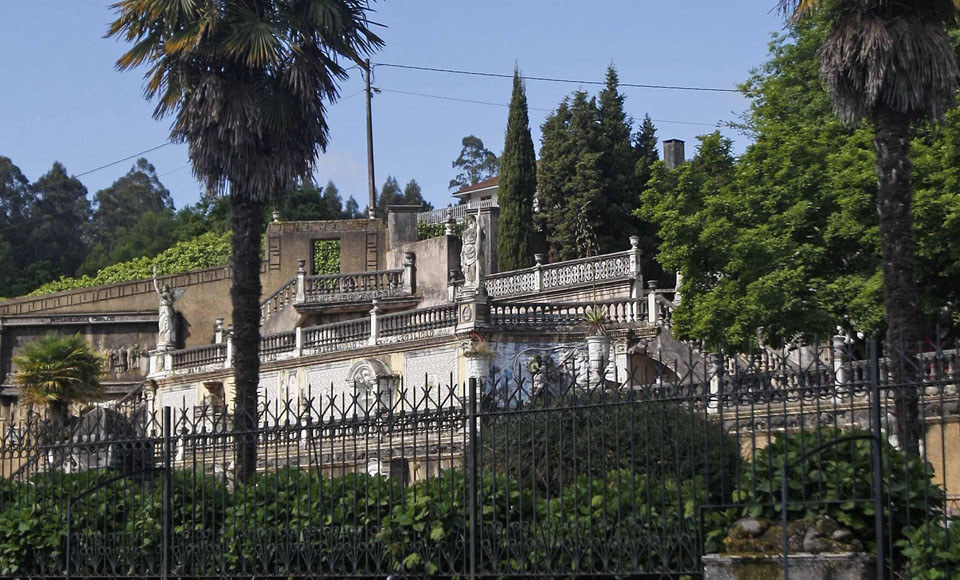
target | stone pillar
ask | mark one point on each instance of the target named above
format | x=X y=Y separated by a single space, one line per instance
x=473 y=311
x=715 y=375
x=301 y=296
x=489 y=220
x=652 y=302
x=538 y=272
x=218 y=331
x=449 y=224
x=228 y=360
x=401 y=225
x=298 y=342
x=673 y=154
x=409 y=273
x=676 y=295
x=839 y=358
x=374 y=312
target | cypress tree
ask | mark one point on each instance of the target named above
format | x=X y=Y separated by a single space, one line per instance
x=518 y=185
x=617 y=160
x=555 y=172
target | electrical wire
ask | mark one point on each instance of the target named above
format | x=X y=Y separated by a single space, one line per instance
x=128 y=158
x=459 y=100
x=555 y=79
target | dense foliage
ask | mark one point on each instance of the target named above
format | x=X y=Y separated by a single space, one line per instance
x=552 y=443
x=932 y=550
x=591 y=172
x=326 y=257
x=836 y=481
x=426 y=231
x=475 y=162
x=390 y=194
x=517 y=186
x=784 y=241
x=205 y=251
x=56 y=371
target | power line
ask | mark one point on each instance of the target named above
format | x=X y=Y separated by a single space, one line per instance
x=174 y=170
x=112 y=163
x=459 y=100
x=557 y=80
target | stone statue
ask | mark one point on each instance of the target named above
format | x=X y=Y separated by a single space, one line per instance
x=471 y=254
x=122 y=361
x=133 y=357
x=166 y=339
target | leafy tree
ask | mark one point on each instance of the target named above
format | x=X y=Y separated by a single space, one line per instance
x=570 y=179
x=248 y=84
x=58 y=371
x=120 y=205
x=412 y=195
x=645 y=154
x=617 y=164
x=475 y=162
x=332 y=204
x=390 y=194
x=59 y=213
x=518 y=185
x=15 y=200
x=891 y=63
x=351 y=210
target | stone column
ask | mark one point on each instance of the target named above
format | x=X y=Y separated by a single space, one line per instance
x=489 y=220
x=652 y=309
x=301 y=296
x=840 y=372
x=374 y=312
x=715 y=375
x=401 y=225
x=635 y=258
x=538 y=272
x=218 y=331
x=409 y=273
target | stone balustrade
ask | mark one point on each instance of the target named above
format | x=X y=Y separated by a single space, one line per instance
x=278 y=300
x=199 y=357
x=616 y=312
x=457 y=212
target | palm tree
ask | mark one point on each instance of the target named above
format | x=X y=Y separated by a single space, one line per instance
x=57 y=371
x=891 y=62
x=248 y=83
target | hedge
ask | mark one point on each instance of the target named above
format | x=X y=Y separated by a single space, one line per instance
x=205 y=251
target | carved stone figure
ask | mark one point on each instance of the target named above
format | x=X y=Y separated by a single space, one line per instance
x=471 y=254
x=166 y=338
x=133 y=357
x=122 y=363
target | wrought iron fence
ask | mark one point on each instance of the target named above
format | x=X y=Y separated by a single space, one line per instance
x=547 y=472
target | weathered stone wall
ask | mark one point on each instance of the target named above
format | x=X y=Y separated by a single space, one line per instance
x=435 y=258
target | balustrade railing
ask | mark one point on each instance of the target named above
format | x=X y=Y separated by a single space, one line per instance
x=278 y=300
x=281 y=342
x=568 y=274
x=418 y=320
x=329 y=337
x=361 y=285
x=200 y=356
x=615 y=312
x=459 y=212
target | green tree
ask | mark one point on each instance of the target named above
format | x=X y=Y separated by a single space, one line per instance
x=617 y=165
x=58 y=217
x=57 y=371
x=891 y=63
x=351 y=209
x=248 y=84
x=413 y=195
x=645 y=154
x=15 y=201
x=517 y=186
x=332 y=204
x=390 y=194
x=475 y=162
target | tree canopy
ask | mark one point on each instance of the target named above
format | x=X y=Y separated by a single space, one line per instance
x=517 y=186
x=475 y=162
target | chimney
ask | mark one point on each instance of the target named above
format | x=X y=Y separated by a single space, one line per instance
x=673 y=153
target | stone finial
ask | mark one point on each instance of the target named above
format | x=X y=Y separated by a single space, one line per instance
x=539 y=259
x=276 y=216
x=653 y=284
x=301 y=265
x=449 y=223
x=634 y=242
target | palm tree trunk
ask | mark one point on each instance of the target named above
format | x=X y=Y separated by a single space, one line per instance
x=894 y=197
x=246 y=221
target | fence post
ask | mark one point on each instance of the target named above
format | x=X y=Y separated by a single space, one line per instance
x=165 y=515
x=301 y=295
x=472 y=467
x=876 y=458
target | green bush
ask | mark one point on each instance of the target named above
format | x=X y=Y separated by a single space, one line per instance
x=932 y=551
x=551 y=444
x=326 y=257
x=836 y=481
x=427 y=231
x=205 y=251
x=335 y=520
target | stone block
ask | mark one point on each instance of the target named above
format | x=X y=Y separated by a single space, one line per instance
x=849 y=566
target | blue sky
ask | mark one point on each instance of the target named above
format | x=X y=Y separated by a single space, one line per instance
x=61 y=98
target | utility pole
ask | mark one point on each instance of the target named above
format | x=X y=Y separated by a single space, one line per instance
x=372 y=183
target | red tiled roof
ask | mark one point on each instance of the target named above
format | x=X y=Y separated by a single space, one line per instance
x=480 y=185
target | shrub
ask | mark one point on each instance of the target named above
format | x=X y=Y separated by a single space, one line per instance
x=551 y=445
x=427 y=231
x=932 y=551
x=205 y=251
x=836 y=481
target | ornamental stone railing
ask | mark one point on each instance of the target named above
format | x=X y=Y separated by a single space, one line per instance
x=278 y=300
x=615 y=313
x=358 y=286
x=457 y=212
x=570 y=274
x=200 y=357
